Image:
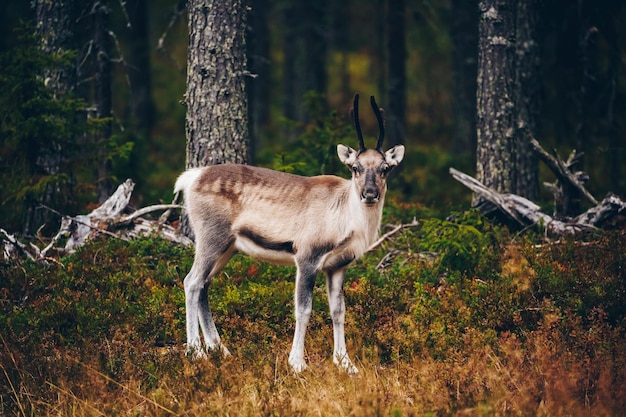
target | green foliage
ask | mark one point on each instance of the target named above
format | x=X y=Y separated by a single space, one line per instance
x=39 y=129
x=466 y=244
x=314 y=151
x=483 y=305
x=582 y=277
x=105 y=288
x=33 y=125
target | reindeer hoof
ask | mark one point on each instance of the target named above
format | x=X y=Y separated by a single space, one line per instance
x=224 y=350
x=345 y=363
x=298 y=365
x=195 y=352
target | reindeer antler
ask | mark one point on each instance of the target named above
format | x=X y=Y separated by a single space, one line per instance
x=354 y=115
x=380 y=116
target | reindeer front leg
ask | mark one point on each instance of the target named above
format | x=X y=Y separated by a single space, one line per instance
x=305 y=281
x=334 y=284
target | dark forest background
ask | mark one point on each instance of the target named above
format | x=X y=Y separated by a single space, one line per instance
x=308 y=58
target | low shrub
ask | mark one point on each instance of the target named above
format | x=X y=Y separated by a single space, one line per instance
x=490 y=324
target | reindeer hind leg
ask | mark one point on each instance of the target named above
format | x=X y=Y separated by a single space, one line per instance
x=209 y=259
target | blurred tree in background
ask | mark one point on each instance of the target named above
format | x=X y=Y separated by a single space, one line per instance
x=54 y=28
x=332 y=49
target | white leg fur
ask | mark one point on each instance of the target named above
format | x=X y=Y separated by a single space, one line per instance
x=334 y=284
x=303 y=306
x=198 y=313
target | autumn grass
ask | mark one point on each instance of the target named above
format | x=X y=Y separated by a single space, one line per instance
x=495 y=325
x=480 y=382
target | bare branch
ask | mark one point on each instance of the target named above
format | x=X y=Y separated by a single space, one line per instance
x=526 y=213
x=14 y=244
x=562 y=170
x=147 y=210
x=395 y=230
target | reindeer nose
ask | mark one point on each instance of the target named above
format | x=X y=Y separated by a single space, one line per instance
x=370 y=195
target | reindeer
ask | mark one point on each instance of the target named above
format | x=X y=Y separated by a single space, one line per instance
x=320 y=223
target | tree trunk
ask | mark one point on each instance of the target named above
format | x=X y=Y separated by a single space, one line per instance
x=464 y=34
x=507 y=97
x=217 y=112
x=54 y=24
x=305 y=49
x=396 y=47
x=379 y=72
x=495 y=109
x=316 y=45
x=259 y=63
x=339 y=41
x=528 y=95
x=290 y=65
x=54 y=21
x=102 y=88
x=141 y=105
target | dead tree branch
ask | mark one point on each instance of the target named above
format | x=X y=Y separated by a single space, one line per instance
x=392 y=232
x=111 y=219
x=569 y=187
x=526 y=213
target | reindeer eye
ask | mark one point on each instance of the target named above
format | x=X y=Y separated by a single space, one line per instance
x=355 y=169
x=385 y=169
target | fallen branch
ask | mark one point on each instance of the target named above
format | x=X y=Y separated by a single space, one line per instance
x=11 y=247
x=605 y=211
x=109 y=219
x=526 y=213
x=149 y=209
x=562 y=170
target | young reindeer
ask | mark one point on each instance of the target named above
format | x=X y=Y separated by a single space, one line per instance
x=319 y=223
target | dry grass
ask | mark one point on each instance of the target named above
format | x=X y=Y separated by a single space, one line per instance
x=543 y=378
x=541 y=333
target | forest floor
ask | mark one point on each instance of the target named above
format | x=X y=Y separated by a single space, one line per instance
x=494 y=325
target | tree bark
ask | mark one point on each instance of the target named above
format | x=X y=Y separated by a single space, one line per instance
x=316 y=45
x=217 y=112
x=305 y=49
x=396 y=48
x=102 y=88
x=508 y=77
x=141 y=105
x=528 y=95
x=54 y=24
x=495 y=106
x=258 y=86
x=464 y=34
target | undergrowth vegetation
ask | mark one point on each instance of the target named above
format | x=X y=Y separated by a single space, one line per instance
x=454 y=317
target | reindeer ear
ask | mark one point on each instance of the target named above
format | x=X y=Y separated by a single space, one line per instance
x=346 y=154
x=394 y=155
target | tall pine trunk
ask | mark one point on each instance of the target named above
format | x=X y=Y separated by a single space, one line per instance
x=258 y=49
x=508 y=79
x=396 y=50
x=102 y=96
x=54 y=24
x=140 y=74
x=527 y=94
x=217 y=110
x=305 y=51
x=464 y=35
x=217 y=124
